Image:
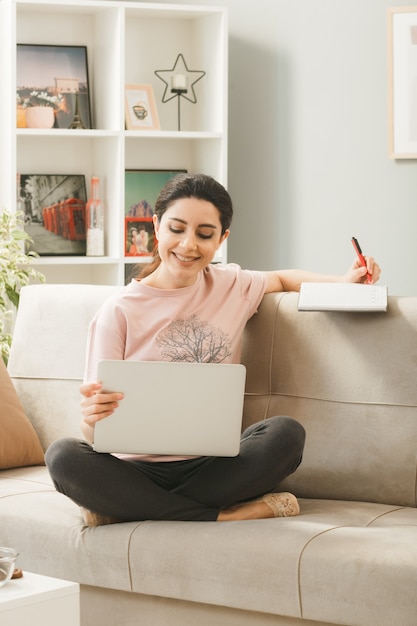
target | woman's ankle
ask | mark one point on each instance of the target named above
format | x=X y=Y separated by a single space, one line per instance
x=245 y=511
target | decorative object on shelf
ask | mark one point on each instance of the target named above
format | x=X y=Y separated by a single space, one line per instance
x=139 y=236
x=142 y=188
x=77 y=121
x=15 y=271
x=39 y=108
x=179 y=83
x=60 y=75
x=20 y=116
x=132 y=270
x=53 y=206
x=141 y=112
x=402 y=81
x=95 y=220
x=40 y=117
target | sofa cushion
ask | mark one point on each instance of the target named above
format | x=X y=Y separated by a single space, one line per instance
x=53 y=322
x=19 y=443
x=350 y=380
x=310 y=566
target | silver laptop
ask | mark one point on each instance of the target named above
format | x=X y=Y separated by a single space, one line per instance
x=172 y=408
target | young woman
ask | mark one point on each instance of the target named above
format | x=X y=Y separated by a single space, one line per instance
x=178 y=289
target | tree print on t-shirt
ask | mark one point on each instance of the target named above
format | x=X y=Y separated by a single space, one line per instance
x=192 y=340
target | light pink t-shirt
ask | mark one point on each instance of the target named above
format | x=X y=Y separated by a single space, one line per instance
x=202 y=323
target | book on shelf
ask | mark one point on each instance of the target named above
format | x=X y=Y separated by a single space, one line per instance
x=342 y=297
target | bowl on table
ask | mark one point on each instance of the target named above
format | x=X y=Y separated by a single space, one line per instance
x=8 y=558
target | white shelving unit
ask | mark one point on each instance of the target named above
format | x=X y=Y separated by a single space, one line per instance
x=126 y=42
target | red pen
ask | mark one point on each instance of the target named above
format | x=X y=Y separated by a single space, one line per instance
x=361 y=257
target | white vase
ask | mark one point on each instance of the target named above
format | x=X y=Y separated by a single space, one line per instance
x=39 y=117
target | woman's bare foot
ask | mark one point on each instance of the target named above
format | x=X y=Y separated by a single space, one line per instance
x=271 y=505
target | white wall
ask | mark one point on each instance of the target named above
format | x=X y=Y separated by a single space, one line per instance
x=308 y=132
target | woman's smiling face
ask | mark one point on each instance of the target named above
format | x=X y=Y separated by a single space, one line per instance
x=189 y=234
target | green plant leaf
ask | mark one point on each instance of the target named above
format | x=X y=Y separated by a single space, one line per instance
x=13 y=295
x=16 y=271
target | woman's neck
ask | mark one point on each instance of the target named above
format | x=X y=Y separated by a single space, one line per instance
x=163 y=280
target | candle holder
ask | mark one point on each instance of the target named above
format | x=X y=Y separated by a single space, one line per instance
x=178 y=83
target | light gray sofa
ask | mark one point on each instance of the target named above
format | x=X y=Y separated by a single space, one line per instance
x=349 y=558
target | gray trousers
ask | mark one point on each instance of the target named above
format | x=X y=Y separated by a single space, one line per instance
x=193 y=489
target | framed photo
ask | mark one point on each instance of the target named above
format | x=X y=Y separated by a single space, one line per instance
x=58 y=74
x=142 y=188
x=139 y=236
x=53 y=206
x=402 y=64
x=141 y=113
x=132 y=270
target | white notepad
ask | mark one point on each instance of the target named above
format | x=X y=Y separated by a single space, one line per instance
x=342 y=297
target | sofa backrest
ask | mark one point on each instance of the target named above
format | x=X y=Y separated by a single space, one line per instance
x=349 y=378
x=47 y=356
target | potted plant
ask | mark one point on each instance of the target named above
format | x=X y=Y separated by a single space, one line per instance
x=15 y=271
x=40 y=107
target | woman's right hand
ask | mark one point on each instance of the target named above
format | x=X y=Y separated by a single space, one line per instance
x=95 y=406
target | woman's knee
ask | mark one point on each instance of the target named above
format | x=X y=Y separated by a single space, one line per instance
x=61 y=454
x=290 y=430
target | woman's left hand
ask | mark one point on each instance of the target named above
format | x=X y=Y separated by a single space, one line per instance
x=359 y=274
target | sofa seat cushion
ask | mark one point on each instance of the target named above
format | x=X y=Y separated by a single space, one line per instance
x=15 y=482
x=47 y=530
x=338 y=562
x=363 y=575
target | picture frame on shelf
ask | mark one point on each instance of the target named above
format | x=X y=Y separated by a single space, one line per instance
x=53 y=208
x=54 y=76
x=140 y=108
x=133 y=269
x=402 y=80
x=140 y=237
x=142 y=188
